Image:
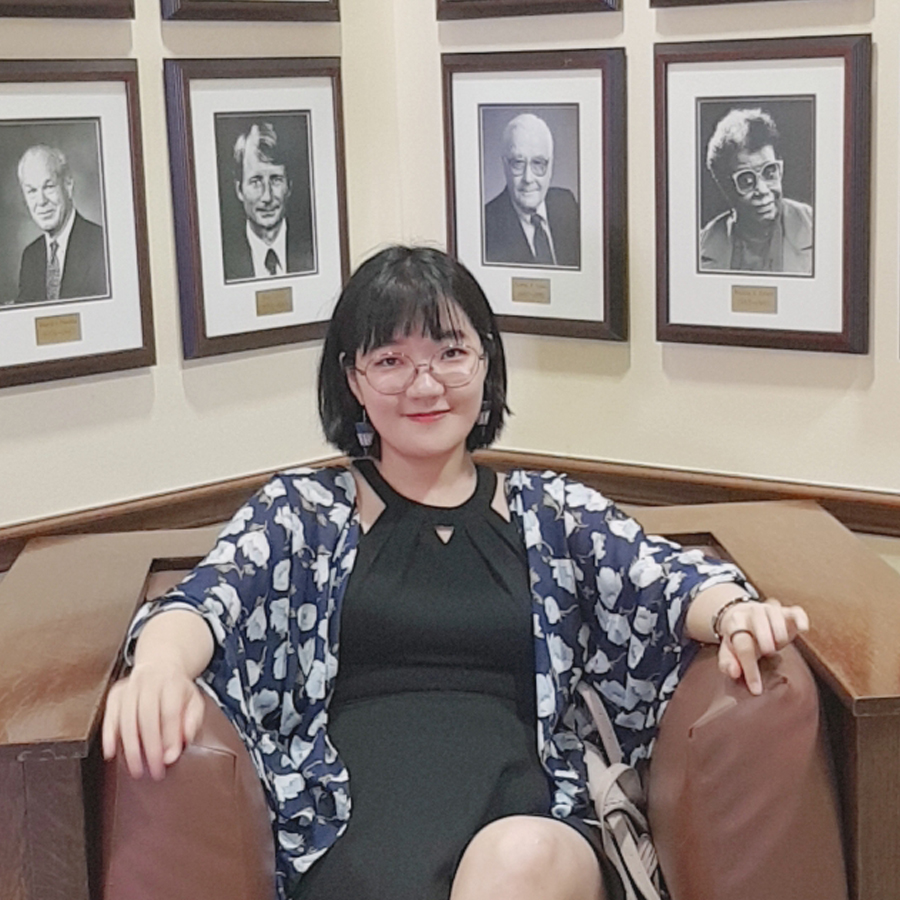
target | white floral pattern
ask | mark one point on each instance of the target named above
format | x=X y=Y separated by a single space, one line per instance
x=608 y=606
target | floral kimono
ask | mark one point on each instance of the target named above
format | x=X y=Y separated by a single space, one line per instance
x=608 y=606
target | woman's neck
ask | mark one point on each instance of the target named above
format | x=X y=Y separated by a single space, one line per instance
x=437 y=481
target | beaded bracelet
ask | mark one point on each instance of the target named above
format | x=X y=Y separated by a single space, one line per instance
x=716 y=620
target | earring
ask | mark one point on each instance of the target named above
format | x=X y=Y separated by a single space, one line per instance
x=365 y=433
x=485 y=415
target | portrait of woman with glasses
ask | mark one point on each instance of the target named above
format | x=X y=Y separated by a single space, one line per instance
x=762 y=229
x=400 y=641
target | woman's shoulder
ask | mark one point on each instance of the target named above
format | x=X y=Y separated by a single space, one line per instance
x=556 y=488
x=306 y=486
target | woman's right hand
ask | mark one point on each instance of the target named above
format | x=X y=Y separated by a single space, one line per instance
x=154 y=713
x=158 y=709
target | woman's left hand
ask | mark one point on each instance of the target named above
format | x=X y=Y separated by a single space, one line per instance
x=753 y=629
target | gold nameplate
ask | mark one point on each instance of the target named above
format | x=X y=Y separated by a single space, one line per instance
x=271 y=303
x=754 y=299
x=531 y=290
x=58 y=329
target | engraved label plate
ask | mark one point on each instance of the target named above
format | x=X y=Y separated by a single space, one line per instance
x=754 y=299
x=271 y=303
x=57 y=329
x=531 y=290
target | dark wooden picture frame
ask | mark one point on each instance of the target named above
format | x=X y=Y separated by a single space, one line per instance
x=69 y=9
x=670 y=3
x=486 y=9
x=299 y=301
x=814 y=297
x=101 y=320
x=253 y=10
x=589 y=105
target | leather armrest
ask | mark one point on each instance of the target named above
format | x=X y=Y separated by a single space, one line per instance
x=741 y=798
x=202 y=833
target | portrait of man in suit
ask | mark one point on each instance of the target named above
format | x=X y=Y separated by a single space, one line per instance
x=266 y=234
x=762 y=230
x=68 y=260
x=531 y=221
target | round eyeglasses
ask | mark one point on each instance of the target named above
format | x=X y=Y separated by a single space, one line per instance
x=537 y=164
x=390 y=372
x=746 y=181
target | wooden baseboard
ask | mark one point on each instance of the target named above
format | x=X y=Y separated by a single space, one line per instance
x=873 y=512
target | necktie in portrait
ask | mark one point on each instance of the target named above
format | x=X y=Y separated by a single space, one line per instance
x=271 y=262
x=54 y=274
x=543 y=253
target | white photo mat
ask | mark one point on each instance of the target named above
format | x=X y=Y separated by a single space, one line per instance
x=107 y=325
x=231 y=308
x=809 y=304
x=575 y=295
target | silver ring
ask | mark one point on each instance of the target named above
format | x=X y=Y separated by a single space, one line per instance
x=741 y=631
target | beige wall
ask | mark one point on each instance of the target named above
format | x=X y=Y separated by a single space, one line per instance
x=828 y=418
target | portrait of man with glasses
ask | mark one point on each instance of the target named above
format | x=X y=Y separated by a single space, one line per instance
x=761 y=230
x=532 y=221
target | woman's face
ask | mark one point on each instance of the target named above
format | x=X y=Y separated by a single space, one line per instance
x=428 y=419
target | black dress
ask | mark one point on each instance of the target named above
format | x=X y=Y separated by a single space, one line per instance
x=434 y=706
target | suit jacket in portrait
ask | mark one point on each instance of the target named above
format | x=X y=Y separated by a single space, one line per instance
x=717 y=240
x=505 y=241
x=239 y=260
x=84 y=271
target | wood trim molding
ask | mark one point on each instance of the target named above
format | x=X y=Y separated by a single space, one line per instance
x=872 y=512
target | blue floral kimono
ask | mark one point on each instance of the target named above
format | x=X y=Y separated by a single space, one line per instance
x=608 y=606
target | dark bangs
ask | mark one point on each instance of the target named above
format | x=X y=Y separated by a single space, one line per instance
x=405 y=306
x=403 y=291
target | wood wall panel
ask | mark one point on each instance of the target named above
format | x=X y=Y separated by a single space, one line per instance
x=872 y=512
x=55 y=830
x=12 y=831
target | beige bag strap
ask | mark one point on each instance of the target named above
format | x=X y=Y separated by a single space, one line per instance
x=616 y=791
x=602 y=721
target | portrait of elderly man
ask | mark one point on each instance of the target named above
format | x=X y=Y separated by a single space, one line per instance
x=266 y=241
x=762 y=231
x=529 y=222
x=68 y=260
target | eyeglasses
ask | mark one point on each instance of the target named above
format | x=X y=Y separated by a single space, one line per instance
x=392 y=373
x=746 y=181
x=538 y=165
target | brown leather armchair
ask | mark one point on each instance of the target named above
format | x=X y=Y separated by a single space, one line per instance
x=742 y=803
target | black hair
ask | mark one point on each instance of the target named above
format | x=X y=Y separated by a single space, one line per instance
x=398 y=291
x=740 y=129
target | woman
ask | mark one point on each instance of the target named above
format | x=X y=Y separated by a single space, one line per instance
x=470 y=606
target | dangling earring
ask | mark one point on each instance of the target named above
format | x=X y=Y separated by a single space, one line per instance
x=365 y=433
x=485 y=415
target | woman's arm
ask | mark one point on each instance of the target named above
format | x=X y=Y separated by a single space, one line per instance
x=158 y=709
x=745 y=628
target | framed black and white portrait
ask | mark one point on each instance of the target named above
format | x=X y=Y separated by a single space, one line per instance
x=763 y=192
x=258 y=183
x=74 y=285
x=536 y=186
x=253 y=10
x=483 y=9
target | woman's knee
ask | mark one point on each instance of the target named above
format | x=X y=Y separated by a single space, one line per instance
x=520 y=845
x=532 y=856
